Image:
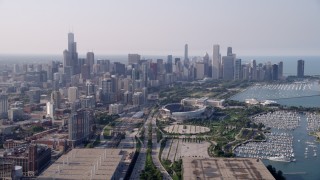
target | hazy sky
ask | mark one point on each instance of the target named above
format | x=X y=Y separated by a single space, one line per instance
x=251 y=27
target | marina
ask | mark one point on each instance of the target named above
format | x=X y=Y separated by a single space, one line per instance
x=305 y=148
x=280 y=120
x=306 y=93
x=313 y=120
x=277 y=147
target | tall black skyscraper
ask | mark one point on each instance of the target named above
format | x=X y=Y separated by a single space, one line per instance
x=300 y=68
x=70 y=56
x=275 y=72
x=72 y=48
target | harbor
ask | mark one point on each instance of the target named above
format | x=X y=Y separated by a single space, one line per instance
x=305 y=94
x=277 y=147
x=302 y=127
x=313 y=120
x=286 y=120
x=293 y=151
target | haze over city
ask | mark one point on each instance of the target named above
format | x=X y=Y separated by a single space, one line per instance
x=161 y=27
x=159 y=90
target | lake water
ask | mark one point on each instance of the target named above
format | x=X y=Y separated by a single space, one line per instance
x=306 y=94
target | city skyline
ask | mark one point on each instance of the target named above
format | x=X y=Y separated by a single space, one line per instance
x=161 y=28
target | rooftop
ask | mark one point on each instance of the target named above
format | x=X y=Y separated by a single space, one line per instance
x=84 y=164
x=224 y=168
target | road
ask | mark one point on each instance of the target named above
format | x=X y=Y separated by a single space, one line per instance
x=141 y=160
x=155 y=151
x=139 y=166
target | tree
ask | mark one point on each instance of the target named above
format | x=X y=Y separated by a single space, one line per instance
x=278 y=175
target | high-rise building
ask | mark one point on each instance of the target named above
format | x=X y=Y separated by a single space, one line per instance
x=119 y=68
x=137 y=99
x=169 y=64
x=3 y=105
x=85 y=71
x=280 y=70
x=160 y=66
x=90 y=60
x=253 y=70
x=79 y=126
x=104 y=65
x=206 y=59
x=134 y=59
x=300 y=68
x=186 y=56
x=245 y=71
x=90 y=89
x=144 y=77
x=227 y=67
x=50 y=109
x=73 y=55
x=73 y=94
x=66 y=59
x=134 y=79
x=200 y=70
x=216 y=62
x=275 y=72
x=237 y=69
x=127 y=99
x=56 y=98
x=109 y=88
x=229 y=51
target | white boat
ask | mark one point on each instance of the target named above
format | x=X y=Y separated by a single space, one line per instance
x=279 y=158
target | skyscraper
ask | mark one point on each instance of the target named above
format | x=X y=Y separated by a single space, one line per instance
x=228 y=67
x=90 y=89
x=206 y=59
x=237 y=69
x=253 y=70
x=300 y=68
x=79 y=126
x=216 y=62
x=275 y=72
x=3 y=105
x=85 y=71
x=90 y=60
x=280 y=70
x=134 y=78
x=73 y=55
x=66 y=59
x=229 y=51
x=134 y=59
x=56 y=98
x=160 y=67
x=169 y=64
x=200 y=70
x=144 y=69
x=186 y=57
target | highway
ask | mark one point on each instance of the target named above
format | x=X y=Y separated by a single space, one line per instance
x=140 y=164
x=155 y=151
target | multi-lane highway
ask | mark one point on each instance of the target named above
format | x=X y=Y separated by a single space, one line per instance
x=140 y=163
